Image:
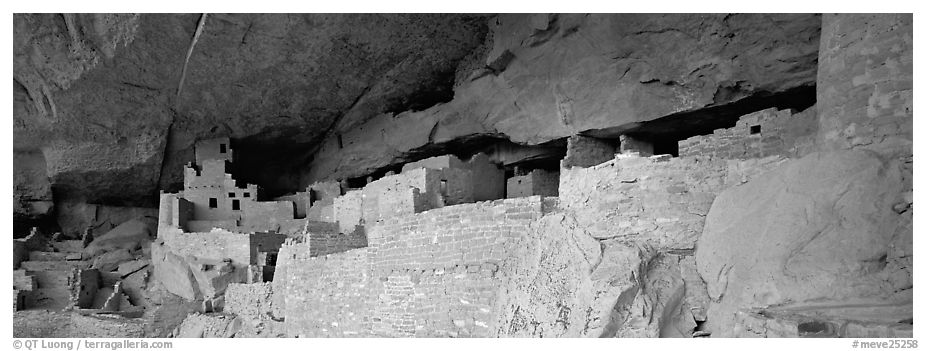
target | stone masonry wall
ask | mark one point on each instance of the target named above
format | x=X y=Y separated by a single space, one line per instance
x=759 y=134
x=326 y=243
x=582 y=151
x=327 y=296
x=428 y=274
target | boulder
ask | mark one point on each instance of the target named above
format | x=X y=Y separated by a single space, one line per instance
x=818 y=228
x=193 y=278
x=173 y=272
x=131 y=235
x=110 y=261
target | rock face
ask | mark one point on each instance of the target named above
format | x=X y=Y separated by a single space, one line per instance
x=818 y=228
x=100 y=95
x=865 y=80
x=543 y=77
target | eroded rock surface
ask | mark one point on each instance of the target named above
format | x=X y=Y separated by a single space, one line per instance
x=817 y=228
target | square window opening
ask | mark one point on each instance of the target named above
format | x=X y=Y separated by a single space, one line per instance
x=755 y=129
x=246 y=195
x=213 y=202
x=231 y=195
x=222 y=148
x=236 y=205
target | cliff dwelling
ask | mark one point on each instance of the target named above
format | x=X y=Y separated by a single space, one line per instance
x=463 y=175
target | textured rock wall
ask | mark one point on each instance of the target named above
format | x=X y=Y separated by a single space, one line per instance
x=655 y=200
x=865 y=81
x=546 y=77
x=100 y=95
x=819 y=228
x=252 y=300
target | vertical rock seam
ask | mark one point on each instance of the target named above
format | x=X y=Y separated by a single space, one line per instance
x=199 y=30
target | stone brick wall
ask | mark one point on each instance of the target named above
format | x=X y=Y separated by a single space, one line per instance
x=291 y=253
x=432 y=273
x=300 y=202
x=759 y=134
x=537 y=182
x=865 y=81
x=327 y=296
x=486 y=181
x=211 y=150
x=348 y=211
x=658 y=199
x=323 y=243
x=266 y=214
x=582 y=151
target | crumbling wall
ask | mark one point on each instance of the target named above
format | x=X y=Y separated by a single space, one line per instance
x=321 y=201
x=486 y=181
x=266 y=214
x=212 y=182
x=583 y=151
x=759 y=134
x=300 y=202
x=537 y=182
x=326 y=242
x=213 y=149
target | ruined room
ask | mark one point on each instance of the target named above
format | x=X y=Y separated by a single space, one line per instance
x=708 y=175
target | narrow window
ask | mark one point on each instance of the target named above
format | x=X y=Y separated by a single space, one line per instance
x=443 y=187
x=232 y=195
x=340 y=142
x=755 y=129
x=236 y=205
x=246 y=195
x=213 y=202
x=222 y=148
